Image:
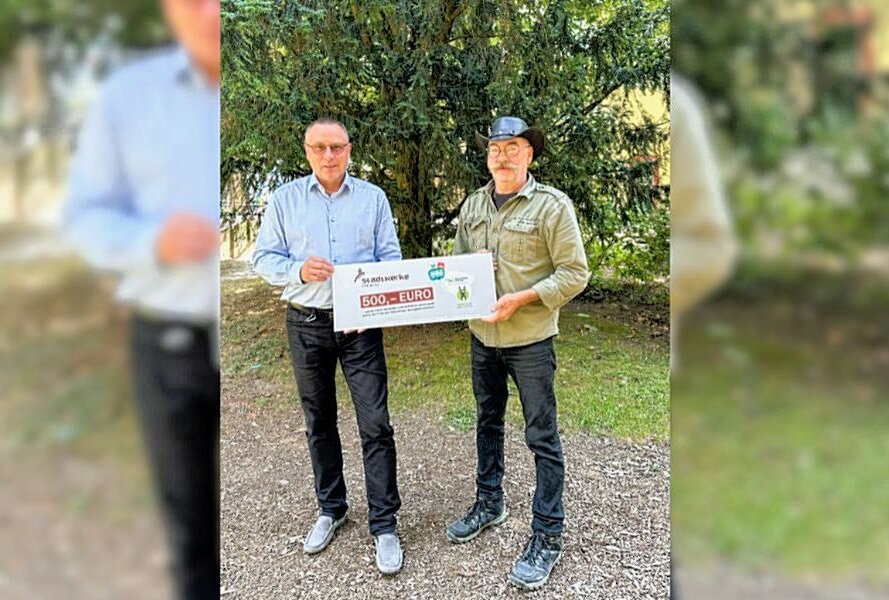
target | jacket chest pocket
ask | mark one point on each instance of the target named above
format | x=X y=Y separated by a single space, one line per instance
x=520 y=240
x=477 y=233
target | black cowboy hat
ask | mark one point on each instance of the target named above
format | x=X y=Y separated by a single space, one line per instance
x=504 y=128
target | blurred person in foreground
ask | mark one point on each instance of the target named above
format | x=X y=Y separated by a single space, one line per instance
x=144 y=203
x=540 y=265
x=703 y=247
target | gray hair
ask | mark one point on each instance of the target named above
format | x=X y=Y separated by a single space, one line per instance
x=327 y=121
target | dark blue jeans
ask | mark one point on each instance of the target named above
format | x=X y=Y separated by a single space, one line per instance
x=532 y=367
x=315 y=350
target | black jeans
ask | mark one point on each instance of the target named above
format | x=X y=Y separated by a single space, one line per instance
x=532 y=367
x=315 y=349
x=177 y=395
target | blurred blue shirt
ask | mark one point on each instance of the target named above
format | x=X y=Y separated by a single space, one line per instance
x=352 y=225
x=148 y=147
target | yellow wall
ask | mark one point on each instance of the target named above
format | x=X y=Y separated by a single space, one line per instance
x=653 y=105
x=880 y=35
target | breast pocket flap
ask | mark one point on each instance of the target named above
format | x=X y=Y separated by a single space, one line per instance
x=521 y=225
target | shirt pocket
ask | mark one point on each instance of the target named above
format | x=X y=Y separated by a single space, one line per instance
x=477 y=233
x=363 y=231
x=520 y=240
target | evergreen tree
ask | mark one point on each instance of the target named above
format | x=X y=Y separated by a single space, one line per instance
x=413 y=80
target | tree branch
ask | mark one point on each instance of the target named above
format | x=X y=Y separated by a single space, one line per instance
x=589 y=107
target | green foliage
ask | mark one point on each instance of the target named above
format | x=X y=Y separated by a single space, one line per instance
x=862 y=159
x=740 y=52
x=413 y=81
x=133 y=23
x=637 y=251
x=807 y=164
x=767 y=130
x=828 y=196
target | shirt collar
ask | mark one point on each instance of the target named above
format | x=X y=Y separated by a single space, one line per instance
x=347 y=185
x=185 y=71
x=526 y=190
x=182 y=68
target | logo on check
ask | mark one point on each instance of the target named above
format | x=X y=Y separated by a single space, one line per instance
x=437 y=272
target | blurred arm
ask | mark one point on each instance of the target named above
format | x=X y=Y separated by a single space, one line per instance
x=99 y=217
x=703 y=248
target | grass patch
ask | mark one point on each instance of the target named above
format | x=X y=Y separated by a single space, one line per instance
x=779 y=441
x=612 y=375
x=65 y=374
x=461 y=418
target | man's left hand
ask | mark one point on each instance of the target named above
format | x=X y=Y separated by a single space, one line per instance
x=507 y=304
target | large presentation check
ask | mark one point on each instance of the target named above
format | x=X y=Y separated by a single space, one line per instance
x=409 y=292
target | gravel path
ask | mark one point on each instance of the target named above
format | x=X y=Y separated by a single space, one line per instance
x=70 y=529
x=730 y=582
x=616 y=500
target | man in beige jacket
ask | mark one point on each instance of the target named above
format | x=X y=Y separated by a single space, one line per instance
x=540 y=265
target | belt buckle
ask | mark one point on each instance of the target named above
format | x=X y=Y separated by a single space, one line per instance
x=311 y=311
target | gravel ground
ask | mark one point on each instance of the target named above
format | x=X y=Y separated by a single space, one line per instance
x=67 y=530
x=730 y=582
x=617 y=538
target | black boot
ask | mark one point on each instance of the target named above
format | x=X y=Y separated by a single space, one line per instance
x=533 y=567
x=482 y=514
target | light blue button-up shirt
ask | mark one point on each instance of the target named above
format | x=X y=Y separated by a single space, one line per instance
x=149 y=147
x=352 y=225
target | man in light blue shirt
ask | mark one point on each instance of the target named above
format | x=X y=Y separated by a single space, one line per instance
x=144 y=186
x=306 y=232
x=144 y=203
x=311 y=225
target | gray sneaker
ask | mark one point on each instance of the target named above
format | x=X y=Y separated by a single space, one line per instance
x=322 y=533
x=389 y=554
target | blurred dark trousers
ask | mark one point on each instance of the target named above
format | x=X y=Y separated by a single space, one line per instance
x=532 y=367
x=315 y=349
x=177 y=393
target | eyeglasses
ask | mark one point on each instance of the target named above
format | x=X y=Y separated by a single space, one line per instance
x=321 y=149
x=511 y=150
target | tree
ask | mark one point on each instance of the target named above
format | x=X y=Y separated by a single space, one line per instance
x=44 y=41
x=133 y=23
x=799 y=112
x=413 y=80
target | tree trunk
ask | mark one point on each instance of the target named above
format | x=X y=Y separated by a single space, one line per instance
x=415 y=232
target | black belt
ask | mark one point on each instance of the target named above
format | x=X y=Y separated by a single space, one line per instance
x=311 y=310
x=162 y=319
